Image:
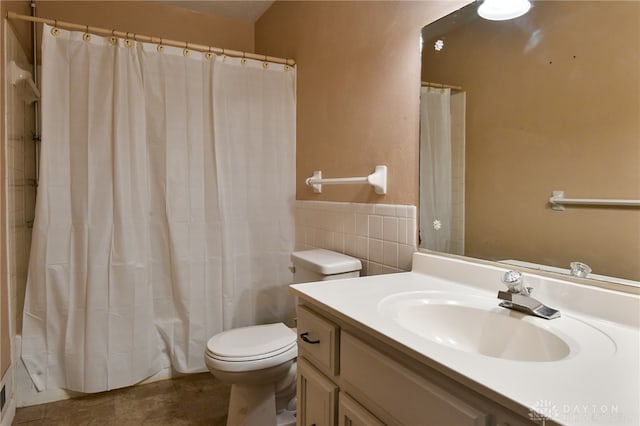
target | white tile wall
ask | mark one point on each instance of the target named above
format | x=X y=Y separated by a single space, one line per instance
x=19 y=179
x=382 y=236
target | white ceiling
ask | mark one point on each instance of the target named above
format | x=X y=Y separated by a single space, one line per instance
x=246 y=10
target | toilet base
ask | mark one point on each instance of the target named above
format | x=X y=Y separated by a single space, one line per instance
x=286 y=418
x=253 y=405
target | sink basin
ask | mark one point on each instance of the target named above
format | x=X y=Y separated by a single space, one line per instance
x=478 y=325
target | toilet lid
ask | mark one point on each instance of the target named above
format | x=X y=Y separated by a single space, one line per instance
x=251 y=342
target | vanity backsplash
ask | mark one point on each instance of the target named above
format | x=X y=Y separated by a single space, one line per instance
x=382 y=236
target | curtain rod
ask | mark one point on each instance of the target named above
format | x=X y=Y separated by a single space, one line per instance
x=149 y=39
x=440 y=86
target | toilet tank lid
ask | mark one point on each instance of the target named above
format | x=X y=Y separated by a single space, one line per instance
x=325 y=262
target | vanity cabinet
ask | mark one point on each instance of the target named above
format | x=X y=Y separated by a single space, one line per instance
x=318 y=339
x=320 y=396
x=353 y=414
x=348 y=378
x=405 y=397
x=317 y=391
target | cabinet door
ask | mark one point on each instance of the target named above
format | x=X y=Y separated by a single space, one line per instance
x=317 y=397
x=396 y=394
x=350 y=413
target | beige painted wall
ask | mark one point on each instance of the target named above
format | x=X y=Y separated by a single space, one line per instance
x=358 y=89
x=22 y=31
x=154 y=19
x=573 y=126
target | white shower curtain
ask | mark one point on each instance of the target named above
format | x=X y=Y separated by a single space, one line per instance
x=255 y=157
x=164 y=211
x=435 y=169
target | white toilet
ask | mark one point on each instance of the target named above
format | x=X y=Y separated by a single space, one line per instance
x=260 y=361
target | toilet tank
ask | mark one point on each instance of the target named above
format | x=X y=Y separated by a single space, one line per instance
x=321 y=264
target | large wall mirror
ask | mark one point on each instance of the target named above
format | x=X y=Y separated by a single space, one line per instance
x=513 y=110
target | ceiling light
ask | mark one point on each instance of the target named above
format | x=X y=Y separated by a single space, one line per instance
x=500 y=10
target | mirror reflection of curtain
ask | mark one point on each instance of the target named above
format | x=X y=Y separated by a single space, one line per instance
x=442 y=169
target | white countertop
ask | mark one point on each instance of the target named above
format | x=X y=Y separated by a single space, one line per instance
x=595 y=384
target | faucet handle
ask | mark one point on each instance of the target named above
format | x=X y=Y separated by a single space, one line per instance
x=513 y=280
x=579 y=269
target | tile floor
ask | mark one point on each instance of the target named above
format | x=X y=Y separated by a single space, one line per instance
x=197 y=399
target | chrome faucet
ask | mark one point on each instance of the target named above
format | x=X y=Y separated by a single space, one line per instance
x=518 y=297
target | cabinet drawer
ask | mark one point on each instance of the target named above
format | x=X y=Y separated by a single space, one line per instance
x=318 y=340
x=396 y=394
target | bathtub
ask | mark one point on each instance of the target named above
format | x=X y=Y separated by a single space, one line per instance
x=26 y=394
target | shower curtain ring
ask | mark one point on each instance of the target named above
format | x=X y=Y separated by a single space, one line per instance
x=55 y=31
x=185 y=52
x=113 y=39
x=86 y=36
x=243 y=61
x=209 y=54
x=127 y=42
x=160 y=47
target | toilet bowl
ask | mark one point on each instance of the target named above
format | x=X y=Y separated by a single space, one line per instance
x=259 y=362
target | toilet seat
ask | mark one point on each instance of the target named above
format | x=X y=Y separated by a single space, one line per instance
x=251 y=348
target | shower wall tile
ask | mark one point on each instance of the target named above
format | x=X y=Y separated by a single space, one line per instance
x=382 y=236
x=20 y=176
